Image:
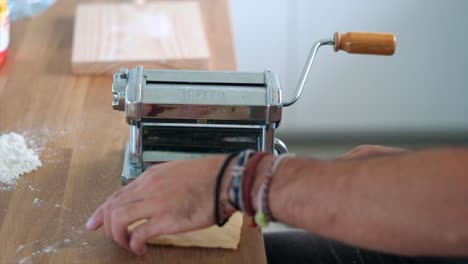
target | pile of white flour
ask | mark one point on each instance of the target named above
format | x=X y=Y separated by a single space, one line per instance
x=16 y=158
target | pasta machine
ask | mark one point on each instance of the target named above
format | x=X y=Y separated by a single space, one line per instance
x=178 y=114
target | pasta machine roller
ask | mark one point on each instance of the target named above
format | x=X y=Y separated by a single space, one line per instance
x=178 y=114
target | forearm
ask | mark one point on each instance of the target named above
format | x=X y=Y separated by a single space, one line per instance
x=414 y=203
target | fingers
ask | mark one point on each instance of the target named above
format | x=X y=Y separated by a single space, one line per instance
x=97 y=218
x=159 y=199
x=122 y=217
x=154 y=227
x=122 y=209
x=95 y=221
x=115 y=211
x=107 y=220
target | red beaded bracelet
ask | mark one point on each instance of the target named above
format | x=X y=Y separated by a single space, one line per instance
x=248 y=180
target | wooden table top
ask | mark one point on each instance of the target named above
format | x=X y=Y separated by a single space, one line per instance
x=82 y=138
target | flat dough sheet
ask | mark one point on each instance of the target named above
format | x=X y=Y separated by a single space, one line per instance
x=227 y=236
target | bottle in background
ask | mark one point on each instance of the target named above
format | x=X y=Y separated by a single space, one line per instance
x=4 y=29
x=20 y=9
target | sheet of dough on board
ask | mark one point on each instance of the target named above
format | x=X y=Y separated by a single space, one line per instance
x=227 y=236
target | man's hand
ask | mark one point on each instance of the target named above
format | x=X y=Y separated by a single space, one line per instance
x=174 y=197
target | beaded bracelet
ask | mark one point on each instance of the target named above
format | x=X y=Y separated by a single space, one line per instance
x=237 y=174
x=263 y=215
x=220 y=222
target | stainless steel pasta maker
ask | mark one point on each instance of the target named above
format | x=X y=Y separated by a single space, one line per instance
x=177 y=114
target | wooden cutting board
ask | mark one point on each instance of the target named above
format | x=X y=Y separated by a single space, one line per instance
x=163 y=34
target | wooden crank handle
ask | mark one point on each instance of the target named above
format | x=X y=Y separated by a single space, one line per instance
x=366 y=43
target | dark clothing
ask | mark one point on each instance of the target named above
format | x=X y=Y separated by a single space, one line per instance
x=299 y=247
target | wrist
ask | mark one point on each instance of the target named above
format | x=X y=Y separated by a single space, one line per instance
x=295 y=187
x=261 y=171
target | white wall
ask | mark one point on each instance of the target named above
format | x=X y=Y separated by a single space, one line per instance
x=423 y=88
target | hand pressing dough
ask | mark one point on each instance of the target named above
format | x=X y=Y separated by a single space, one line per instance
x=227 y=236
